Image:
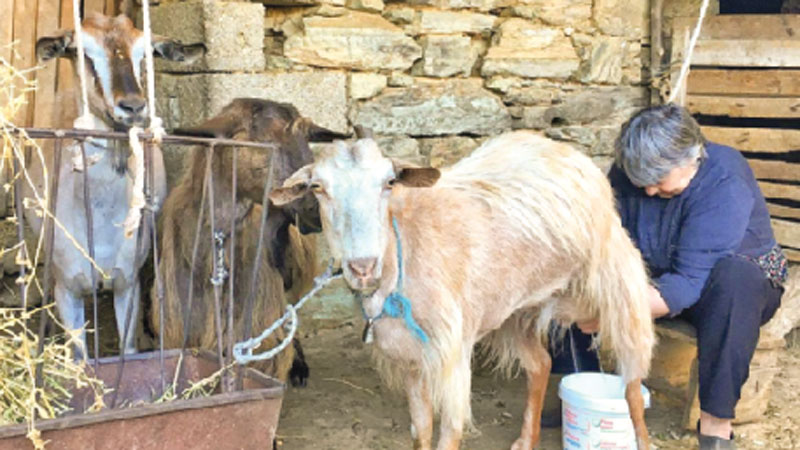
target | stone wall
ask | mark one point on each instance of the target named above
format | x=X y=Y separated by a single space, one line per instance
x=432 y=78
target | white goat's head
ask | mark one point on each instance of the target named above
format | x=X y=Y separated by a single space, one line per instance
x=353 y=183
x=114 y=51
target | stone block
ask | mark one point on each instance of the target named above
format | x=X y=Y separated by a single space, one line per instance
x=524 y=49
x=444 y=152
x=435 y=108
x=232 y=32
x=446 y=55
x=629 y=18
x=366 y=85
x=451 y=22
x=365 y=5
x=557 y=12
x=604 y=61
x=403 y=148
x=356 y=40
x=399 y=14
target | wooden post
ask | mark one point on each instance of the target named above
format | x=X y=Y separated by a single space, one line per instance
x=656 y=49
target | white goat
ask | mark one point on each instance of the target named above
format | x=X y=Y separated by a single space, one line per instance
x=522 y=232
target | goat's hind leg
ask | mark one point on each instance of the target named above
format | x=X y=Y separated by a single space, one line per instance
x=633 y=395
x=70 y=309
x=126 y=305
x=536 y=361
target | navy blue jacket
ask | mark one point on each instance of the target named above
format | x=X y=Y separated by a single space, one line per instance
x=722 y=212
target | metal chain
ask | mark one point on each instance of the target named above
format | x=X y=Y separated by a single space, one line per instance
x=243 y=351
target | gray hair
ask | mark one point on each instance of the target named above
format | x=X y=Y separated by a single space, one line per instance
x=657 y=140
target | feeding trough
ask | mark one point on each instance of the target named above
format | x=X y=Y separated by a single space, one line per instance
x=244 y=419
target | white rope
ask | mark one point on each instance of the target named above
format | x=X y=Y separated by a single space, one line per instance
x=136 y=165
x=243 y=351
x=687 y=60
x=85 y=120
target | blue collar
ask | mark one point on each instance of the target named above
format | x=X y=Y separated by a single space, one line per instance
x=396 y=304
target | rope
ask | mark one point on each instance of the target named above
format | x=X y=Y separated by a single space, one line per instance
x=687 y=60
x=155 y=121
x=243 y=351
x=85 y=120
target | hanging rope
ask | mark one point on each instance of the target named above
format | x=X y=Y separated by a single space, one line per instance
x=687 y=60
x=136 y=166
x=85 y=120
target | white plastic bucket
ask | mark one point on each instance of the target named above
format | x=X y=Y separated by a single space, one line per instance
x=595 y=414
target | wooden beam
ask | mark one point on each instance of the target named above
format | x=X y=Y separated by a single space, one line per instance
x=656 y=48
x=66 y=74
x=25 y=58
x=781 y=211
x=6 y=28
x=787 y=233
x=742 y=53
x=739 y=106
x=777 y=190
x=47 y=23
x=746 y=26
x=792 y=255
x=766 y=140
x=775 y=170
x=745 y=82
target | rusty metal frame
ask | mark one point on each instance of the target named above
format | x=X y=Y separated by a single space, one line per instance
x=48 y=227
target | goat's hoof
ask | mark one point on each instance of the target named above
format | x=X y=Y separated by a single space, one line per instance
x=298 y=374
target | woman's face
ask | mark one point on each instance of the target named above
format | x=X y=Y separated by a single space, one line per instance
x=674 y=182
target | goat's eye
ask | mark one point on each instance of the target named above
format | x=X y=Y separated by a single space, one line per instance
x=390 y=183
x=316 y=187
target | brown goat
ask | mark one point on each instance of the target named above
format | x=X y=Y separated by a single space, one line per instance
x=287 y=267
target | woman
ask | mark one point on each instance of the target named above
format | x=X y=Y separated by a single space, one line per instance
x=695 y=211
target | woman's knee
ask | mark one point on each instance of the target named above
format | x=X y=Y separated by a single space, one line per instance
x=735 y=279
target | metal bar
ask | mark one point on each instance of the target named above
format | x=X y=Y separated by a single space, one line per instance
x=90 y=244
x=20 y=231
x=232 y=272
x=48 y=226
x=248 y=322
x=45 y=133
x=215 y=269
x=149 y=188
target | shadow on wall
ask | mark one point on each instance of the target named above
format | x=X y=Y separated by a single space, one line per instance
x=751 y=6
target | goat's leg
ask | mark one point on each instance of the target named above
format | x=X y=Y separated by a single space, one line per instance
x=633 y=394
x=537 y=363
x=126 y=304
x=420 y=408
x=455 y=405
x=70 y=308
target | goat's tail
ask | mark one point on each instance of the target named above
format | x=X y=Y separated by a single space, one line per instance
x=617 y=284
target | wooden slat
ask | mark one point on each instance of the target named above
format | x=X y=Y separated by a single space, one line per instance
x=776 y=190
x=787 y=233
x=747 y=53
x=65 y=72
x=111 y=7
x=25 y=35
x=746 y=26
x=47 y=23
x=744 y=82
x=736 y=106
x=755 y=139
x=792 y=255
x=93 y=6
x=775 y=170
x=6 y=28
x=783 y=211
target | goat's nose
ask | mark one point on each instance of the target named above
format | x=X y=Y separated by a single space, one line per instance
x=132 y=105
x=362 y=267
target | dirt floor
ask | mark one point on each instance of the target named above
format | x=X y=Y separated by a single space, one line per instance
x=345 y=406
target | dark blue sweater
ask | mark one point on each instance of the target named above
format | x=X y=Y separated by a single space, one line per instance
x=722 y=212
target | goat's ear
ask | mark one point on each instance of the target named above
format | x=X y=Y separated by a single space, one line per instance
x=174 y=50
x=293 y=188
x=415 y=176
x=314 y=132
x=57 y=46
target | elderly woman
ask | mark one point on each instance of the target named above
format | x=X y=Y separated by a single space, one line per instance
x=695 y=211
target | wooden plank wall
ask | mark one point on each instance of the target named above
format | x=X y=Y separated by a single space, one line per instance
x=746 y=68
x=23 y=22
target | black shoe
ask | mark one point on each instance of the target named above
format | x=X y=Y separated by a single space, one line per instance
x=715 y=443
